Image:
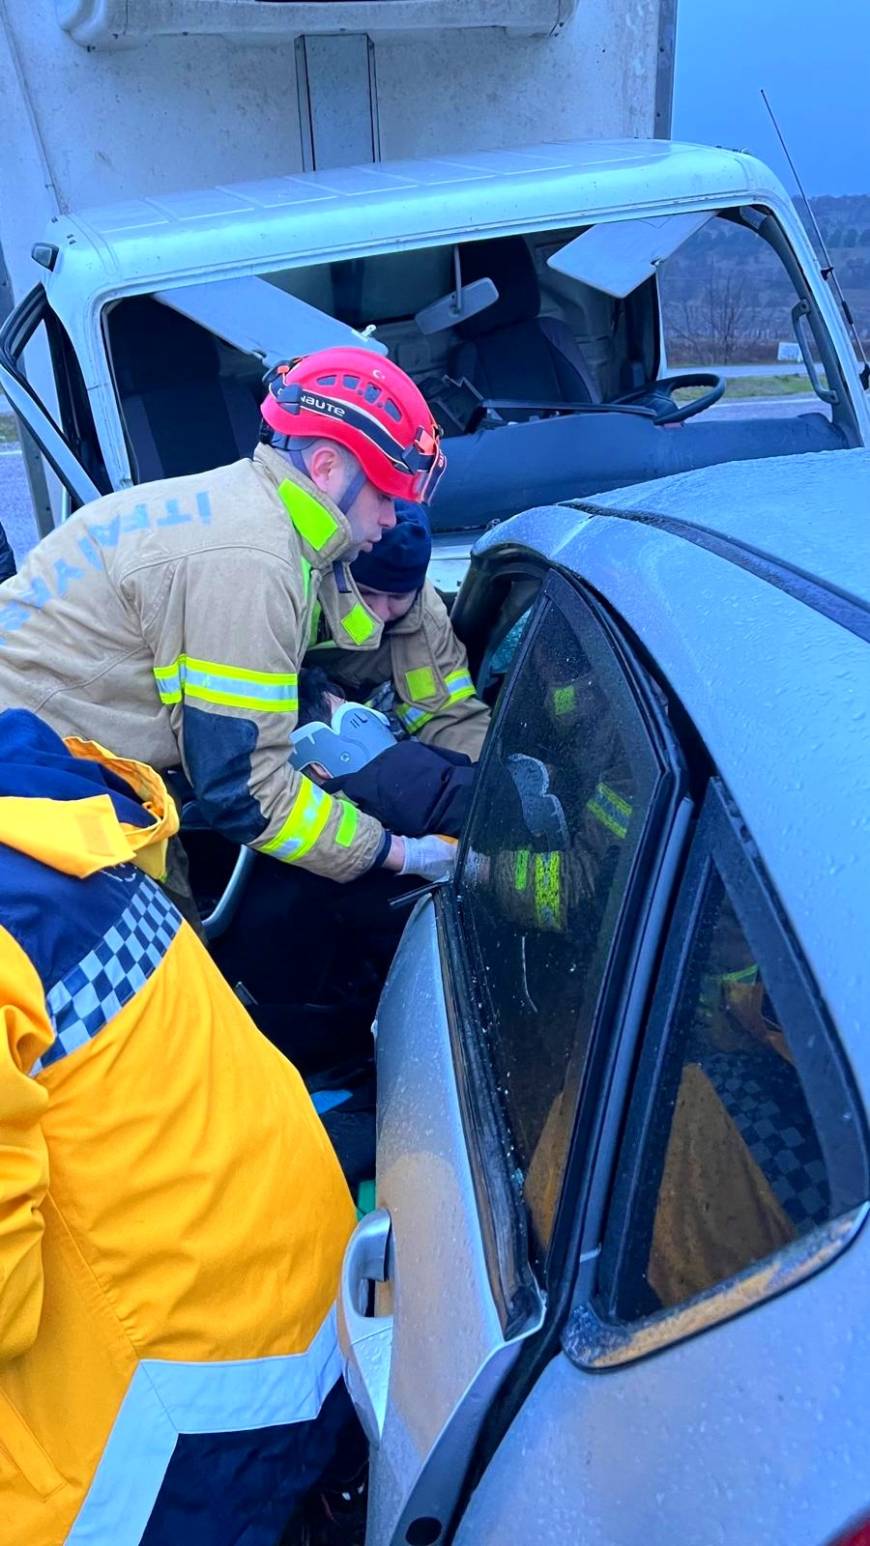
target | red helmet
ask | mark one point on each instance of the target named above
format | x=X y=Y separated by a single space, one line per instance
x=369 y=405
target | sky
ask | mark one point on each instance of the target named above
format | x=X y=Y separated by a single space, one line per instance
x=813 y=59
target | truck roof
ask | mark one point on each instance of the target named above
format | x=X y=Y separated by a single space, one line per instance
x=282 y=221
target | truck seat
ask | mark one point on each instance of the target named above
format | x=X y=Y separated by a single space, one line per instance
x=180 y=413
x=509 y=350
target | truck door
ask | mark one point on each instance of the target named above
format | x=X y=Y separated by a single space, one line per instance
x=72 y=452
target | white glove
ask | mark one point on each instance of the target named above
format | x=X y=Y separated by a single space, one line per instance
x=432 y=857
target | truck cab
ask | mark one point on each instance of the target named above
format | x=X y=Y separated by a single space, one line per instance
x=525 y=291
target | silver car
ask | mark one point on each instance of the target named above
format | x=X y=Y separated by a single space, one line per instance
x=614 y=1292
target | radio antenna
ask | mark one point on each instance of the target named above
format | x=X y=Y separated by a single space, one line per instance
x=829 y=273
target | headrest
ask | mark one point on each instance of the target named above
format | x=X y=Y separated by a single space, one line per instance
x=508 y=262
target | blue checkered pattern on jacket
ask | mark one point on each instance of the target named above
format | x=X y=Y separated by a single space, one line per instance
x=111 y=973
x=762 y=1094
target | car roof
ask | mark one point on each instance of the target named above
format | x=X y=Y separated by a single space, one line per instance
x=776 y=683
x=810 y=512
x=282 y=221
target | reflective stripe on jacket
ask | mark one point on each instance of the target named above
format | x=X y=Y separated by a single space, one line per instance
x=172 y=1216
x=169 y=622
x=420 y=654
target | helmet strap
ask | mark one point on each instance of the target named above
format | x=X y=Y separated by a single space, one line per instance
x=351 y=493
x=298 y=460
x=283 y=443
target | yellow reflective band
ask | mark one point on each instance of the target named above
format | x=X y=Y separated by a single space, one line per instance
x=610 y=809
x=548 y=889
x=460 y=685
x=748 y=974
x=421 y=683
x=306 y=577
x=615 y=799
x=413 y=719
x=521 y=870
x=358 y=624
x=347 y=825
x=168 y=680
x=308 y=817
x=606 y=820
x=312 y=520
x=210 y=681
x=564 y=699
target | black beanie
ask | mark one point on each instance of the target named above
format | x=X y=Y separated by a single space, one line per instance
x=398 y=563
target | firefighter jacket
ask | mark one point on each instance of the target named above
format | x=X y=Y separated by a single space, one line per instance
x=169 y=621
x=420 y=653
x=172 y=1216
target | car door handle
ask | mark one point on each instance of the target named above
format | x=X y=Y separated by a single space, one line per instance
x=366 y=1340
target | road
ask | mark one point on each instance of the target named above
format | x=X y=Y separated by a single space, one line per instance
x=781 y=368
x=766 y=407
x=16 y=511
x=17 y=515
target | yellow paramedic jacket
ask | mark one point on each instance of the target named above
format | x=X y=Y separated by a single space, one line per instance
x=172 y=1216
x=169 y=622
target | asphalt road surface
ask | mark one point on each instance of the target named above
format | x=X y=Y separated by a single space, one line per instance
x=767 y=407
x=16 y=511
x=17 y=515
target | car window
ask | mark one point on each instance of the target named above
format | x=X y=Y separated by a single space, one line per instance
x=738 y=1145
x=559 y=815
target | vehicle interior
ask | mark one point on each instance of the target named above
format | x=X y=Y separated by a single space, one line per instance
x=544 y=356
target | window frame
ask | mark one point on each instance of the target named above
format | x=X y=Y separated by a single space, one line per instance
x=595 y=1336
x=636 y=931
x=17 y=331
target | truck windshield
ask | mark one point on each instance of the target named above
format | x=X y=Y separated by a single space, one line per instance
x=568 y=384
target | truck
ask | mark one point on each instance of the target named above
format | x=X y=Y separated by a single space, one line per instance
x=235 y=182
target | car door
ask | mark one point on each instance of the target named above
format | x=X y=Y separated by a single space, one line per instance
x=708 y=1385
x=497 y=1017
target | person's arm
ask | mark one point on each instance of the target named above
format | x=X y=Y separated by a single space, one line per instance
x=225 y=637
x=26 y=1033
x=412 y=789
x=452 y=717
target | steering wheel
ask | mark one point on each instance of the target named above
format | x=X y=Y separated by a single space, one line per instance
x=224 y=911
x=678 y=412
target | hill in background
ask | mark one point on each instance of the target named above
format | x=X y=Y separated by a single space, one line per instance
x=727 y=298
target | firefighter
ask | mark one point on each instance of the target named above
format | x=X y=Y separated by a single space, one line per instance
x=173 y=1216
x=170 y=620
x=404 y=636
x=553 y=874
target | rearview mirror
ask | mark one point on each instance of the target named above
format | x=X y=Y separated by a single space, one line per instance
x=463 y=302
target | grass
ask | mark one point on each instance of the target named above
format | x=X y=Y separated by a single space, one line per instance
x=8 y=429
x=755 y=386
